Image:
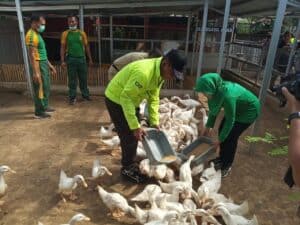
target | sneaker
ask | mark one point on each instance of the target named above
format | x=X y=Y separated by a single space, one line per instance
x=42 y=116
x=87 y=98
x=226 y=172
x=49 y=110
x=72 y=101
x=133 y=174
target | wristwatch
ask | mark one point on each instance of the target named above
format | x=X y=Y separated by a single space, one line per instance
x=295 y=115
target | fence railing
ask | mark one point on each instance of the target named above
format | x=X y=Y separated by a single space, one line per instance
x=96 y=76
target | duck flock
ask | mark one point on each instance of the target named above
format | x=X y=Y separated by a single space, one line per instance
x=181 y=196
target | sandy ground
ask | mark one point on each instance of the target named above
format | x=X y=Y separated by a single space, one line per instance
x=37 y=150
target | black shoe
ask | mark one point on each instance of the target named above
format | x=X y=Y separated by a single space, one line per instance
x=49 y=110
x=72 y=101
x=87 y=98
x=133 y=174
x=42 y=116
x=217 y=163
x=225 y=172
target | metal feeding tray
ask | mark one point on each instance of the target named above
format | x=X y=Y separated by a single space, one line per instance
x=202 y=148
x=158 y=148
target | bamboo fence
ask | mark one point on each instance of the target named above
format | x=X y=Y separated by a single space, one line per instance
x=96 y=76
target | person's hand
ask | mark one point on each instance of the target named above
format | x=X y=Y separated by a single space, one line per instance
x=139 y=134
x=292 y=102
x=217 y=147
x=53 y=70
x=37 y=78
x=206 y=132
x=63 y=64
x=156 y=127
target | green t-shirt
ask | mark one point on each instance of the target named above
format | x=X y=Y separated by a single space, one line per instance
x=75 y=42
x=240 y=104
x=35 y=40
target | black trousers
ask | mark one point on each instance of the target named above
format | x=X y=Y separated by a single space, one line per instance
x=127 y=139
x=229 y=145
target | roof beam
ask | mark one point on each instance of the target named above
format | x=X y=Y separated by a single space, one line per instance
x=181 y=3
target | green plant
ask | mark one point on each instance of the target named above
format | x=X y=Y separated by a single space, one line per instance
x=279 y=151
x=268 y=138
x=294 y=197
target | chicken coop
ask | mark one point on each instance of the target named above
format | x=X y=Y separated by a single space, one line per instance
x=44 y=155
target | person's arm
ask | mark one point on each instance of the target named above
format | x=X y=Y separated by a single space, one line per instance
x=229 y=111
x=34 y=64
x=294 y=138
x=32 y=43
x=134 y=86
x=87 y=47
x=63 y=48
x=52 y=68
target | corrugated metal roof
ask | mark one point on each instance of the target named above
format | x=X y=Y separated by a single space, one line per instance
x=238 y=7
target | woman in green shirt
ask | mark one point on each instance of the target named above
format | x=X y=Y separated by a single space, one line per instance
x=241 y=108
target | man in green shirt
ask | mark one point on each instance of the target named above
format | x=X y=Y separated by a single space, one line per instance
x=241 y=108
x=74 y=47
x=137 y=81
x=39 y=66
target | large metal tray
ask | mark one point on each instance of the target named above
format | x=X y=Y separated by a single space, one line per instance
x=201 y=158
x=158 y=148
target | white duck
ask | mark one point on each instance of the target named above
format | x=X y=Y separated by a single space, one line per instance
x=209 y=172
x=174 y=197
x=210 y=199
x=159 y=172
x=189 y=204
x=149 y=190
x=107 y=132
x=99 y=170
x=113 y=142
x=173 y=206
x=185 y=172
x=67 y=184
x=140 y=151
x=230 y=219
x=115 y=202
x=235 y=209
x=164 y=221
x=189 y=131
x=156 y=213
x=184 y=115
x=206 y=216
x=3 y=186
x=213 y=185
x=140 y=215
x=170 y=176
x=170 y=187
x=77 y=218
x=197 y=169
x=189 y=103
x=145 y=167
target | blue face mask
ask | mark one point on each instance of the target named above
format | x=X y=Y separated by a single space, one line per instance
x=42 y=28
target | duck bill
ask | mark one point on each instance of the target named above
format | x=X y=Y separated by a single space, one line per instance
x=87 y=219
x=12 y=171
x=85 y=184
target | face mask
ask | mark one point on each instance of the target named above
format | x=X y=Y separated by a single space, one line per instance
x=73 y=27
x=42 y=28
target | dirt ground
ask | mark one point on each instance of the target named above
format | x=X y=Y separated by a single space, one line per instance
x=37 y=150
